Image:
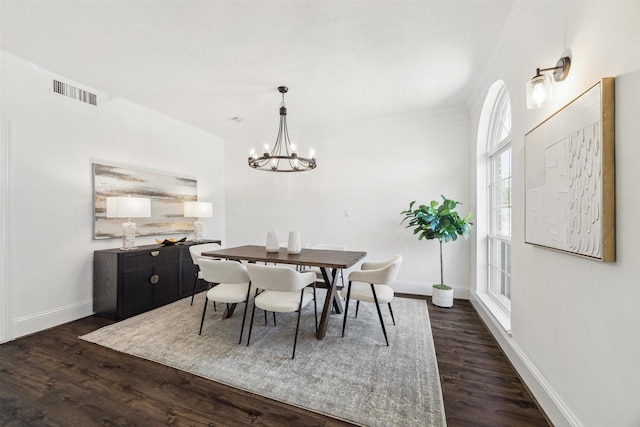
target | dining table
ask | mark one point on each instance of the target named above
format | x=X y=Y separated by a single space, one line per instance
x=330 y=262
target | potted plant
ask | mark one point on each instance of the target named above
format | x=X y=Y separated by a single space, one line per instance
x=443 y=223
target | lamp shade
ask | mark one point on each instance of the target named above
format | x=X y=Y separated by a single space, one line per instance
x=198 y=209
x=539 y=91
x=128 y=207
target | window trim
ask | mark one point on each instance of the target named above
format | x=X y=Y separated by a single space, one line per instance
x=494 y=149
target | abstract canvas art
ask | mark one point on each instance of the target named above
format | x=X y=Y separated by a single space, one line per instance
x=569 y=176
x=167 y=193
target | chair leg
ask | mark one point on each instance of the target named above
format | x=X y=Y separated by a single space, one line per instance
x=204 y=310
x=375 y=298
x=211 y=285
x=193 y=291
x=346 y=308
x=392 y=318
x=295 y=340
x=315 y=306
x=253 y=313
x=244 y=316
x=357 y=307
x=274 y=318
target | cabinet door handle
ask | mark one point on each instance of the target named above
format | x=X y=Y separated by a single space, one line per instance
x=154 y=279
x=155 y=253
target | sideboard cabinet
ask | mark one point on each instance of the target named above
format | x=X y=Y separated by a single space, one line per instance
x=126 y=283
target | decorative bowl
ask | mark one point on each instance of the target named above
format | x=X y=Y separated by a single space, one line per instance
x=170 y=241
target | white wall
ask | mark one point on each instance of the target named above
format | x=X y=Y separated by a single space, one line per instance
x=372 y=169
x=575 y=322
x=576 y=346
x=55 y=140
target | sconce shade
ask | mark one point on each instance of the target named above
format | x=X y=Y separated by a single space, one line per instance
x=128 y=207
x=539 y=87
x=539 y=91
x=198 y=209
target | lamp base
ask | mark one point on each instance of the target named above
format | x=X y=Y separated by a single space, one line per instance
x=128 y=236
x=197 y=231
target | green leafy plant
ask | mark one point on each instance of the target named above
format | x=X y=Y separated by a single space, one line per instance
x=437 y=222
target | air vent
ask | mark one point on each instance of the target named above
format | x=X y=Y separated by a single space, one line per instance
x=74 y=92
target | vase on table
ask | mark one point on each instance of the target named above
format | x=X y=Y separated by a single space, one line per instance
x=273 y=243
x=294 y=246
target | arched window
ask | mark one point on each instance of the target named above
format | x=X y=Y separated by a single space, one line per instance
x=499 y=199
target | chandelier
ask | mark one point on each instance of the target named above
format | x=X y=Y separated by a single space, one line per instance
x=284 y=156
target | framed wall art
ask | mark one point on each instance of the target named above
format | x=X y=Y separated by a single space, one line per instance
x=570 y=177
x=167 y=193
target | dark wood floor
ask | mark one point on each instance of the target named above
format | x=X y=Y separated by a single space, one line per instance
x=52 y=378
x=479 y=385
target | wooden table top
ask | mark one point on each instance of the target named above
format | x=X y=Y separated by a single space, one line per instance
x=312 y=257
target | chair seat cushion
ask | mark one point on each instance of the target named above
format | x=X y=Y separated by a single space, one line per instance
x=229 y=293
x=282 y=302
x=362 y=292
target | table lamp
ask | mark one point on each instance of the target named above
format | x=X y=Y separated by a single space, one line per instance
x=128 y=207
x=198 y=210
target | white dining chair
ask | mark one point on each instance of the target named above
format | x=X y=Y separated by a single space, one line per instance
x=371 y=284
x=282 y=290
x=233 y=285
x=196 y=253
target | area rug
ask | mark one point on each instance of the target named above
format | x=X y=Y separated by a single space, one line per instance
x=356 y=378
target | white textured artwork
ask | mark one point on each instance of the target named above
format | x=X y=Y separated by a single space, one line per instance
x=167 y=193
x=564 y=179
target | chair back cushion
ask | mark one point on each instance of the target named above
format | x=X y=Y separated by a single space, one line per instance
x=196 y=250
x=223 y=271
x=378 y=272
x=277 y=278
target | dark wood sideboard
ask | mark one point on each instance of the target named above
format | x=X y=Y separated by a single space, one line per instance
x=126 y=283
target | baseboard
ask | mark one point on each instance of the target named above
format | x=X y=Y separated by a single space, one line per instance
x=26 y=325
x=551 y=404
x=416 y=288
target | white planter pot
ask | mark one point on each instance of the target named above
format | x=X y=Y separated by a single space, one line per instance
x=442 y=297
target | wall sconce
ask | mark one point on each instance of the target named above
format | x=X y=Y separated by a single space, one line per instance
x=198 y=210
x=539 y=88
x=128 y=207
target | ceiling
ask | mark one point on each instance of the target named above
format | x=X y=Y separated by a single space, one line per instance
x=217 y=64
